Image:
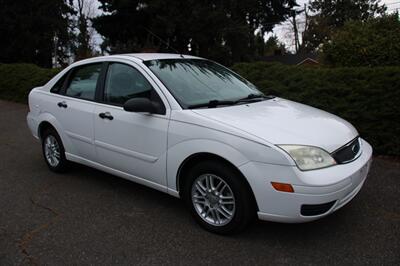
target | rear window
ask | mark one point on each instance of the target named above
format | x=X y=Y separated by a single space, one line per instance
x=83 y=82
x=59 y=84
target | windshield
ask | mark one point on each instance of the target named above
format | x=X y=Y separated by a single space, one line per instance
x=197 y=81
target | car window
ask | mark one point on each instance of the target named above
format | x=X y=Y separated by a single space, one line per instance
x=59 y=84
x=124 y=82
x=83 y=82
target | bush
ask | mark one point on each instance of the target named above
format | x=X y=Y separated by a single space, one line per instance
x=369 y=98
x=17 y=80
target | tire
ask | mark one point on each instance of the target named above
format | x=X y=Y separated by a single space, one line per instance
x=214 y=211
x=53 y=151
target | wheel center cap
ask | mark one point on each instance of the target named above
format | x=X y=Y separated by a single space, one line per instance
x=213 y=199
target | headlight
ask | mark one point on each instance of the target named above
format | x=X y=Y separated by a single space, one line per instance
x=307 y=157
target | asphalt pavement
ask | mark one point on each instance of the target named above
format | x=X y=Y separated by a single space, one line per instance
x=89 y=217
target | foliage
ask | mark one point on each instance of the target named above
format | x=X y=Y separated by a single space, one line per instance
x=220 y=30
x=30 y=29
x=270 y=47
x=83 y=46
x=330 y=15
x=16 y=80
x=375 y=42
x=366 y=97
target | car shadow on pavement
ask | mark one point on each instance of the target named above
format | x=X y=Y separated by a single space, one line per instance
x=149 y=198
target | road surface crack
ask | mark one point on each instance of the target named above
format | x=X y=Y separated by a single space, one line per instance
x=27 y=238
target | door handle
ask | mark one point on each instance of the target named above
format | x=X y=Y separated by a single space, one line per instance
x=62 y=104
x=106 y=115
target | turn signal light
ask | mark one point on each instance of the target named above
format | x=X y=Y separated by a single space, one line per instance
x=283 y=187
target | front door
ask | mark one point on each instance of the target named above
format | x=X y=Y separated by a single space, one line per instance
x=134 y=143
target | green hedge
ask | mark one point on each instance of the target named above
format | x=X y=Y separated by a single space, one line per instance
x=16 y=80
x=369 y=98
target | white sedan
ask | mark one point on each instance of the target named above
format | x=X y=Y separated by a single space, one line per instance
x=196 y=130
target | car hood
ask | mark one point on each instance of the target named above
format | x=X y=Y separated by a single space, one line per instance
x=280 y=121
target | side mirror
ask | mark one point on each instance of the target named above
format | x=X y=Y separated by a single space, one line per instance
x=140 y=105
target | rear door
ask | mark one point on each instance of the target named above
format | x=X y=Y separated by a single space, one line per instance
x=134 y=143
x=75 y=105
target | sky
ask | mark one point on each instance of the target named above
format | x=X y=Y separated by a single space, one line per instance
x=285 y=34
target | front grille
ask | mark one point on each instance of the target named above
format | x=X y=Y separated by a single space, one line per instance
x=316 y=209
x=348 y=152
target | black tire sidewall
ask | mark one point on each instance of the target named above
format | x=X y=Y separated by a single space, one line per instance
x=62 y=165
x=244 y=207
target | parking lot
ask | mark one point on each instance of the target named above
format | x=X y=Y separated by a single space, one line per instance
x=89 y=217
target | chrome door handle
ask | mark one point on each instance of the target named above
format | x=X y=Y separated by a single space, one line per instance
x=106 y=115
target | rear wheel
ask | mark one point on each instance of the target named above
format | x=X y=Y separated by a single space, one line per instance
x=53 y=151
x=218 y=197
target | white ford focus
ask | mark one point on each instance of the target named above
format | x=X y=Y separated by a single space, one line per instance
x=196 y=130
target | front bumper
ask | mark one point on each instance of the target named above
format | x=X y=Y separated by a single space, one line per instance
x=337 y=185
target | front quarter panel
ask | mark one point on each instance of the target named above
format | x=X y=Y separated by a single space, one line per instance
x=188 y=138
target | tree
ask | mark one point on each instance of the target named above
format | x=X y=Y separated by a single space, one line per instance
x=220 y=30
x=34 y=31
x=270 y=47
x=273 y=47
x=375 y=42
x=84 y=12
x=330 y=15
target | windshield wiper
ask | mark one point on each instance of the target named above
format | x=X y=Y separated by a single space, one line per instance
x=211 y=104
x=215 y=103
x=254 y=98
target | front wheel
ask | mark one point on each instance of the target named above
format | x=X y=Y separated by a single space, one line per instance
x=219 y=198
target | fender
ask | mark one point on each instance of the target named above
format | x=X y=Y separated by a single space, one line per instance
x=47 y=117
x=178 y=153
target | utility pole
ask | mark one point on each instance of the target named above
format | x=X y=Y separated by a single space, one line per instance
x=306 y=16
x=55 y=64
x=305 y=26
x=296 y=32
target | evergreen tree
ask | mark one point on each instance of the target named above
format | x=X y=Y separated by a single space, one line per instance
x=270 y=47
x=375 y=42
x=331 y=15
x=220 y=30
x=83 y=47
x=34 y=31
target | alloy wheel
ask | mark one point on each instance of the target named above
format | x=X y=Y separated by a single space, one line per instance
x=213 y=199
x=52 y=150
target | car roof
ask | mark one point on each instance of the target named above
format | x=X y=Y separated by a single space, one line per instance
x=156 y=56
x=135 y=57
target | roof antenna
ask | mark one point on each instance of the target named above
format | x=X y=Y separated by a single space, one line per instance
x=166 y=43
